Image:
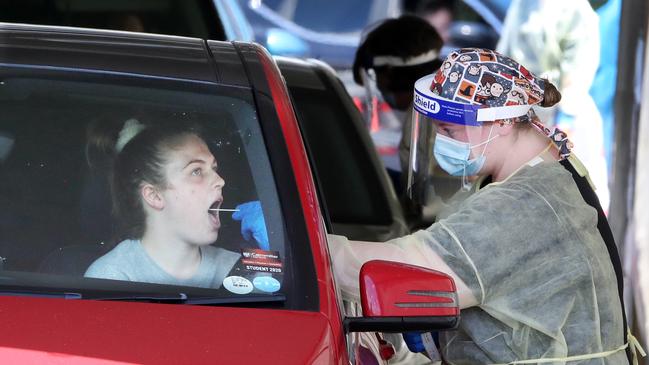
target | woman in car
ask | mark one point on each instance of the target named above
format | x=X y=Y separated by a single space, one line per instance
x=535 y=272
x=166 y=194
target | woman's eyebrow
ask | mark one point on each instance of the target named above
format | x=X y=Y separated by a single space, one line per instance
x=194 y=161
x=201 y=161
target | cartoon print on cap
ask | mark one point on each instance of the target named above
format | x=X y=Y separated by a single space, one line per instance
x=492 y=90
x=467 y=57
x=466 y=91
x=453 y=77
x=516 y=96
x=452 y=81
x=507 y=61
x=473 y=72
x=487 y=78
x=436 y=86
x=446 y=68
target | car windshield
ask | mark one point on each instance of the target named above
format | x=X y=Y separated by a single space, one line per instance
x=192 y=18
x=75 y=190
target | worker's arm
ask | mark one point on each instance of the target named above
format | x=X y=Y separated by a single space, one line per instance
x=348 y=257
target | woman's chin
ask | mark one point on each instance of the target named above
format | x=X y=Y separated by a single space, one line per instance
x=207 y=239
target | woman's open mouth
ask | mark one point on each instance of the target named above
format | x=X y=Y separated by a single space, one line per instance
x=213 y=213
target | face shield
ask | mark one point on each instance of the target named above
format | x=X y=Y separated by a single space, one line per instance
x=450 y=135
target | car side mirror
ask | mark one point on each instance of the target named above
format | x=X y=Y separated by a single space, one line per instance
x=398 y=297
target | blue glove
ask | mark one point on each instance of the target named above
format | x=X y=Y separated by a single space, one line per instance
x=425 y=342
x=414 y=341
x=252 y=223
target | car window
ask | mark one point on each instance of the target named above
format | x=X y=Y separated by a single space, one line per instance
x=191 y=18
x=64 y=205
x=349 y=181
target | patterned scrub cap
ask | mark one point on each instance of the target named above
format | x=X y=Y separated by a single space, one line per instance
x=484 y=77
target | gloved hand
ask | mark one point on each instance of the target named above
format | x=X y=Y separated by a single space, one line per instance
x=252 y=223
x=414 y=341
x=426 y=342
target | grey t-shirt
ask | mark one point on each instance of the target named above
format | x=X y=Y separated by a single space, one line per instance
x=129 y=261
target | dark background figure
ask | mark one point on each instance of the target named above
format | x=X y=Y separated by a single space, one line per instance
x=391 y=57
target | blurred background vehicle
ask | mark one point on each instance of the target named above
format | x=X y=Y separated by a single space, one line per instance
x=207 y=19
x=326 y=30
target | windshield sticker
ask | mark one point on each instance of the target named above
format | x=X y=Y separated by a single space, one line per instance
x=266 y=284
x=237 y=285
x=261 y=260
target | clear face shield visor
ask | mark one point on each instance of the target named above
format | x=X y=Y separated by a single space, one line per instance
x=448 y=139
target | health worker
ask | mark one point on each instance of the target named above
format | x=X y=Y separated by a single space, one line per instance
x=535 y=265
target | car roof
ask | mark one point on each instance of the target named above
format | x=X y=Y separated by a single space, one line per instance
x=111 y=51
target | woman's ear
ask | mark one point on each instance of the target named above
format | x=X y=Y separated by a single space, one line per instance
x=152 y=196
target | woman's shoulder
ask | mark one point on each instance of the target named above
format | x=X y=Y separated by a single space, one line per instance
x=219 y=254
x=122 y=250
x=112 y=263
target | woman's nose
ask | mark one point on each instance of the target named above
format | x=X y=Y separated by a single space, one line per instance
x=218 y=181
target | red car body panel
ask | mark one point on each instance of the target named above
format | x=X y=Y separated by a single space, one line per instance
x=40 y=330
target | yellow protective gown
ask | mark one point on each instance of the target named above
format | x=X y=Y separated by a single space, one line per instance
x=540 y=281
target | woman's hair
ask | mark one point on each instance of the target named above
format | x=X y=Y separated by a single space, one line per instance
x=141 y=159
x=551 y=96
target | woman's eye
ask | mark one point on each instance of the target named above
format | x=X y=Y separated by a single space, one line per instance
x=197 y=172
x=215 y=168
x=448 y=132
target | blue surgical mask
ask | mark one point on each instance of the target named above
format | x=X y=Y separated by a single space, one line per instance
x=453 y=155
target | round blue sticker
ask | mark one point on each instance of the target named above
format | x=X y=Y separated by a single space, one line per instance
x=267 y=284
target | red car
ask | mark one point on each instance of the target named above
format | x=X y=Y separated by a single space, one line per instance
x=278 y=304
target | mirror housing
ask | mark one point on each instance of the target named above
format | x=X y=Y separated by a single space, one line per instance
x=398 y=297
